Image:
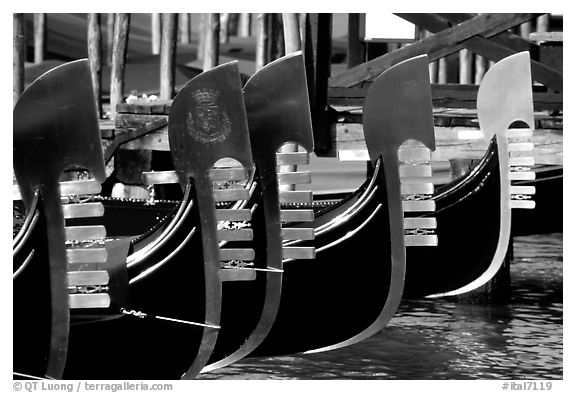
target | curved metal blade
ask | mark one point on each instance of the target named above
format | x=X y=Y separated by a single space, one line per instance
x=278 y=107
x=505 y=95
x=398 y=107
x=208 y=122
x=56 y=128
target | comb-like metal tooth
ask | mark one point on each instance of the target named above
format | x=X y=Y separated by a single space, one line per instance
x=235 y=234
x=94 y=277
x=515 y=204
x=528 y=190
x=79 y=187
x=414 y=154
x=416 y=188
x=233 y=214
x=16 y=193
x=420 y=240
x=237 y=274
x=232 y=194
x=223 y=174
x=297 y=233
x=298 y=252
x=241 y=254
x=87 y=255
x=159 y=177
x=522 y=161
x=296 y=215
x=528 y=175
x=415 y=180
x=414 y=171
x=92 y=300
x=470 y=134
x=79 y=210
x=521 y=146
x=304 y=177
x=293 y=158
x=419 y=222
x=419 y=206
x=296 y=197
x=517 y=133
x=89 y=232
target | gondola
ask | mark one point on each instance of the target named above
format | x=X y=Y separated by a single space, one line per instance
x=178 y=305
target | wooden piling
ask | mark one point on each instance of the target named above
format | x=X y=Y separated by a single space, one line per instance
x=119 y=51
x=525 y=30
x=184 y=28
x=19 y=57
x=211 y=41
x=201 y=36
x=442 y=70
x=156 y=32
x=261 y=40
x=244 y=25
x=168 y=55
x=480 y=69
x=224 y=28
x=543 y=23
x=95 y=57
x=291 y=26
x=39 y=37
x=354 y=49
x=275 y=48
x=465 y=67
x=110 y=23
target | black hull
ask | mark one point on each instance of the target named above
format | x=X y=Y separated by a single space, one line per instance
x=32 y=304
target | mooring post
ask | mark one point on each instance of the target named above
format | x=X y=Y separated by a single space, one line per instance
x=95 y=57
x=110 y=23
x=119 y=51
x=156 y=32
x=261 y=40
x=224 y=28
x=480 y=69
x=168 y=55
x=465 y=68
x=354 y=50
x=19 y=57
x=39 y=37
x=184 y=28
x=211 y=41
x=317 y=58
x=202 y=20
x=244 y=25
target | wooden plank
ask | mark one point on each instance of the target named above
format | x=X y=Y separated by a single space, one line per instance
x=407 y=171
x=436 y=46
x=225 y=174
x=522 y=204
x=160 y=177
x=494 y=49
x=526 y=190
x=528 y=175
x=417 y=188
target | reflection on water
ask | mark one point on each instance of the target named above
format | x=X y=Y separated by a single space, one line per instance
x=439 y=339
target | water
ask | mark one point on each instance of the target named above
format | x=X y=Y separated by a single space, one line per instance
x=439 y=339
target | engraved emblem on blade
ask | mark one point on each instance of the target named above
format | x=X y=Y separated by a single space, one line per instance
x=208 y=122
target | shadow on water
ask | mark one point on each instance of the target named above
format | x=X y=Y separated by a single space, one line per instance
x=440 y=339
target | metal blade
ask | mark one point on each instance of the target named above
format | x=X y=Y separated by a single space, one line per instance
x=398 y=107
x=208 y=122
x=505 y=95
x=278 y=107
x=58 y=111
